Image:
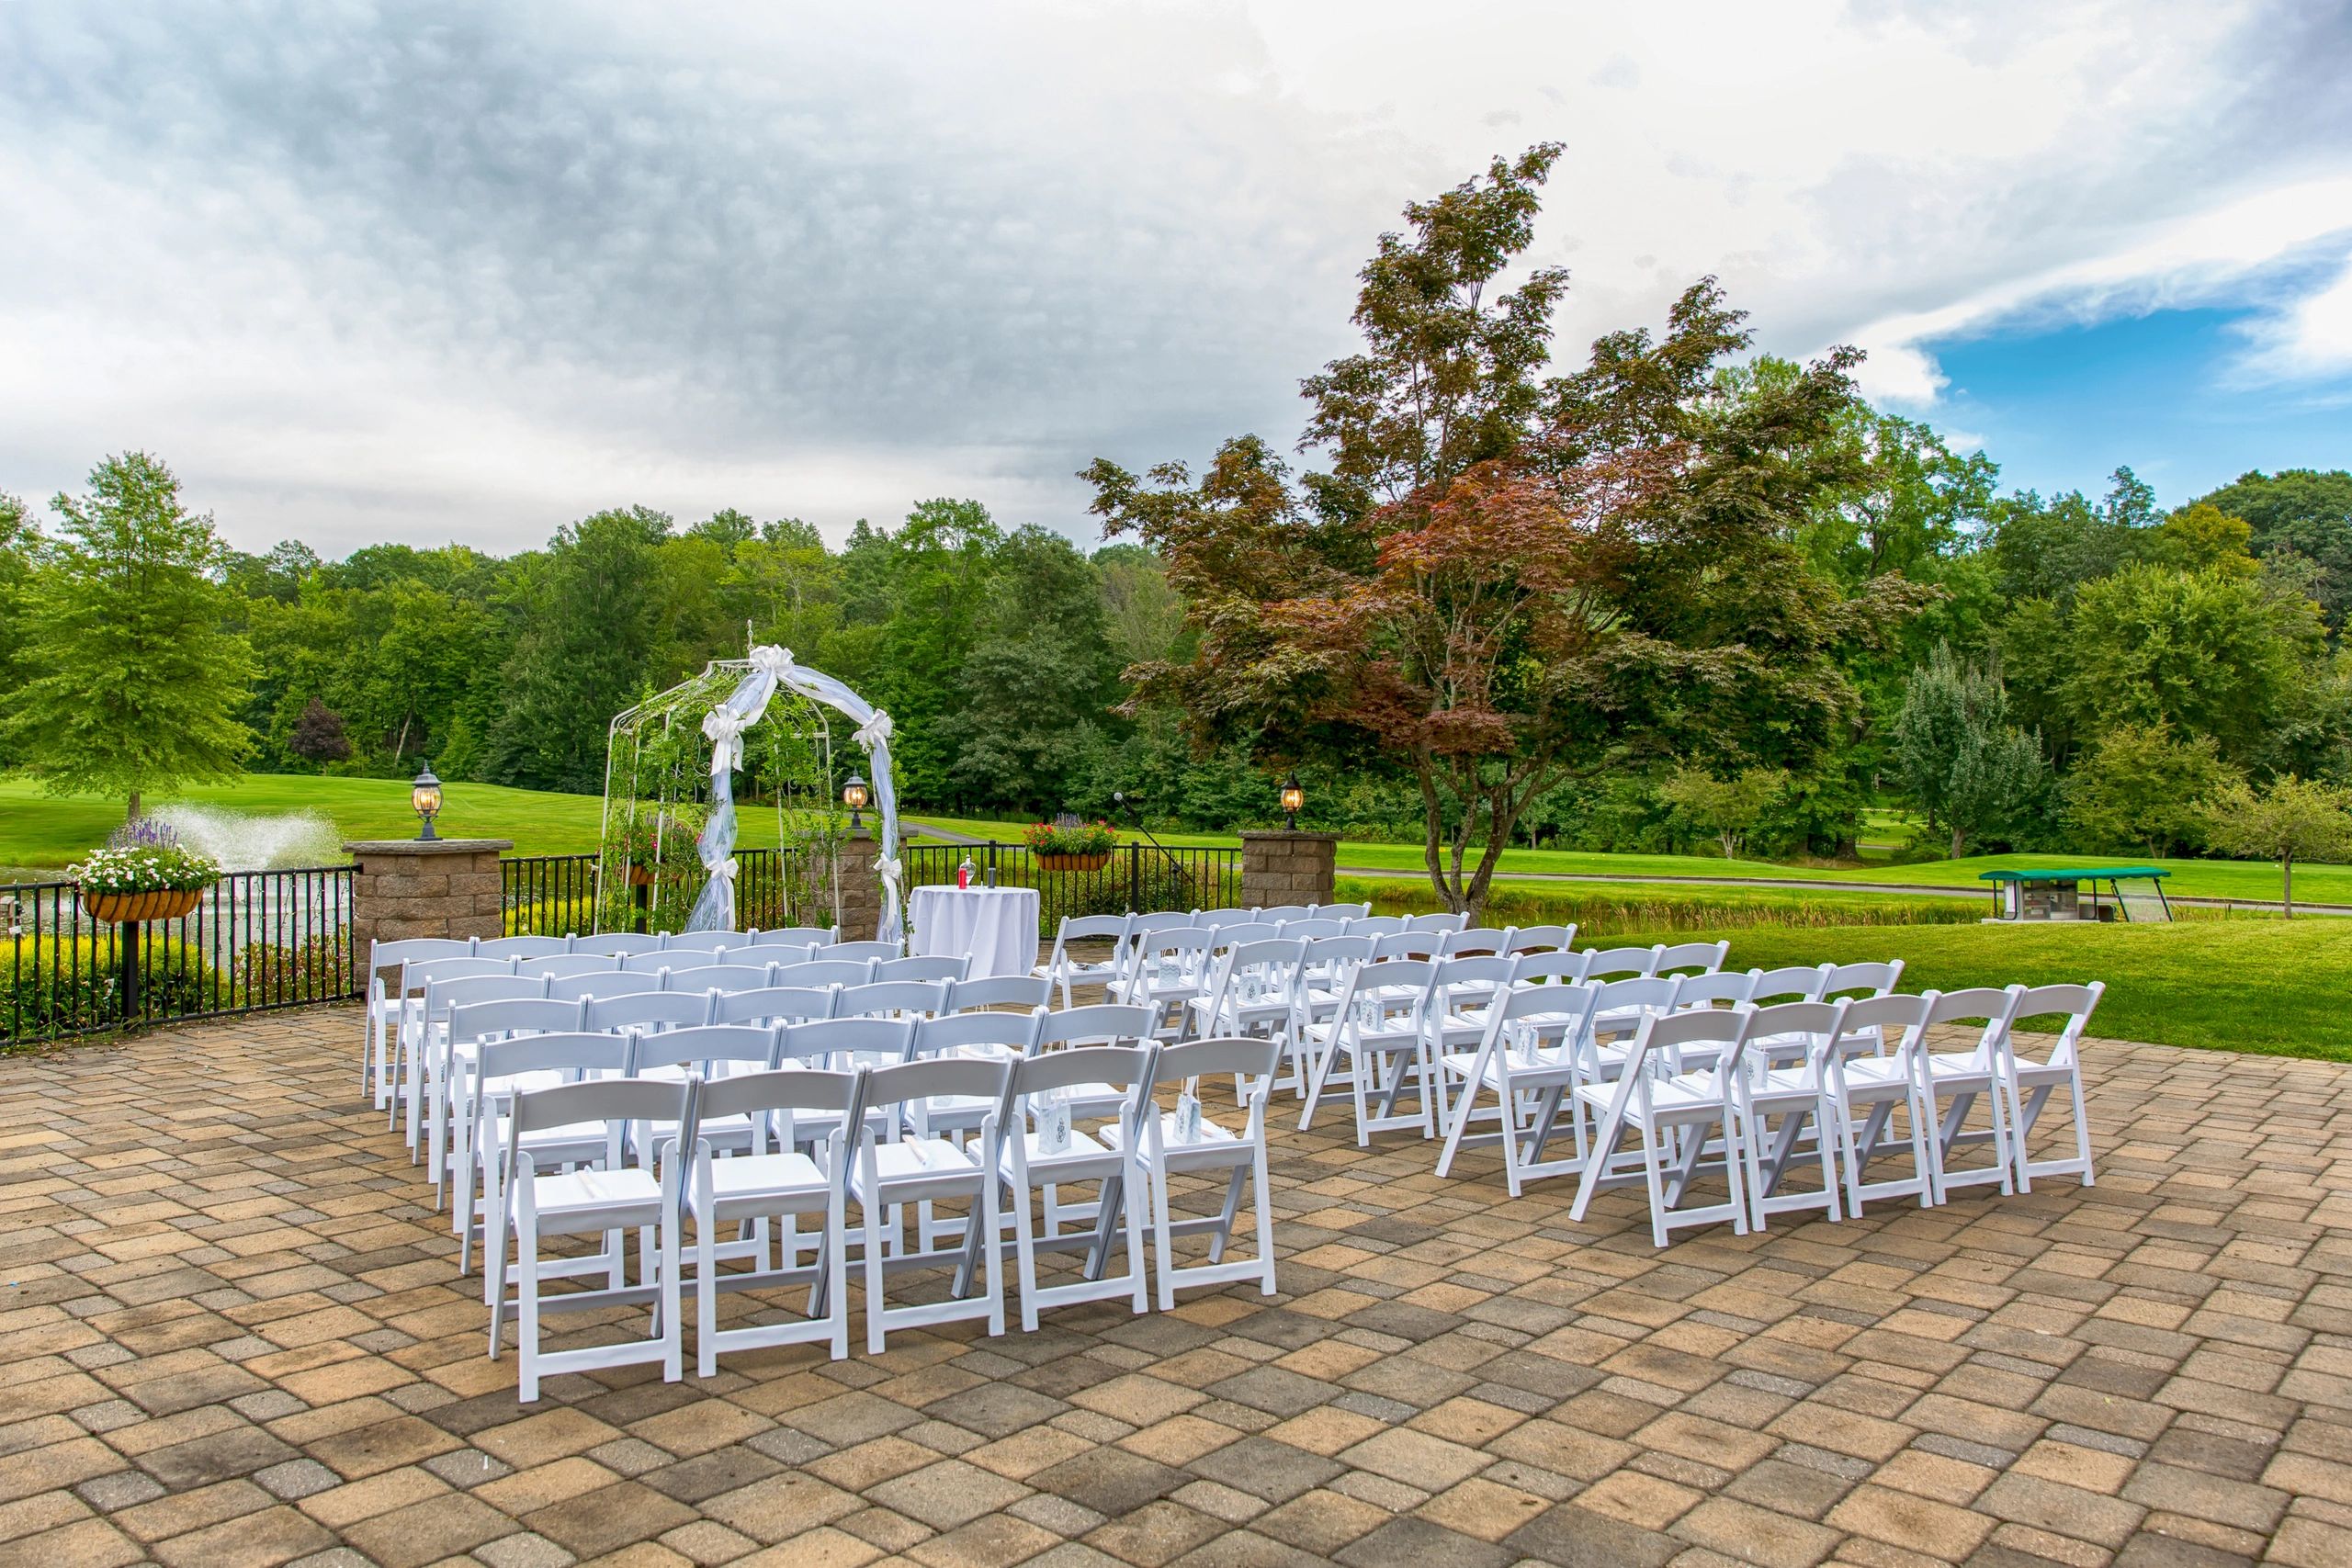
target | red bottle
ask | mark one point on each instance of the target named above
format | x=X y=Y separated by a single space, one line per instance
x=964 y=873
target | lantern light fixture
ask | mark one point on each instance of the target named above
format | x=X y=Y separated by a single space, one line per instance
x=1294 y=798
x=424 y=797
x=854 y=796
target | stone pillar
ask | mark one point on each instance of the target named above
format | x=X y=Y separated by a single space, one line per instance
x=1288 y=868
x=861 y=885
x=410 y=887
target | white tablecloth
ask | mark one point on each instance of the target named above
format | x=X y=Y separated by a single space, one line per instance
x=998 y=926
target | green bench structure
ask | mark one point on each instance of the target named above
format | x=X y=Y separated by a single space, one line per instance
x=2134 y=893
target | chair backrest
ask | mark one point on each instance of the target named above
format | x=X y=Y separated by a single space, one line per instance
x=1100 y=1024
x=1878 y=979
x=522 y=947
x=554 y=1053
x=1895 y=1019
x=1315 y=928
x=1542 y=939
x=720 y=977
x=832 y=1039
x=1715 y=988
x=1409 y=944
x=942 y=966
x=1025 y=992
x=703 y=941
x=1481 y=940
x=1978 y=1004
x=892 y=998
x=1162 y=921
x=756 y=1094
x=1438 y=922
x=1608 y=962
x=935 y=1076
x=1010 y=1034
x=1248 y=1055
x=1114 y=1067
x=513 y=1015
x=1239 y=931
x=1189 y=942
x=416 y=949
x=2076 y=1003
x=1784 y=1023
x=1114 y=929
x=1793 y=983
x=1480 y=969
x=600 y=1100
x=1275 y=914
x=1210 y=919
x=602 y=983
x=874 y=949
x=1564 y=1011
x=1375 y=925
x=826 y=972
x=560 y=965
x=1338 y=911
x=1401 y=985
x=712 y=1046
x=1727 y=1027
x=440 y=996
x=795 y=936
x=418 y=972
x=775 y=1004
x=642 y=1009
x=1636 y=994
x=1705 y=957
x=1331 y=952
x=1549 y=966
x=615 y=944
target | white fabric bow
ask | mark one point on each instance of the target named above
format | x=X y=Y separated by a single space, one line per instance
x=889 y=867
x=875 y=730
x=726 y=731
x=774 y=661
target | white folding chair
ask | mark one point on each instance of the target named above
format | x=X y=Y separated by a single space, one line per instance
x=1322 y=978
x=1185 y=1141
x=2031 y=1082
x=1170 y=969
x=1871 y=979
x=1461 y=989
x=1621 y=962
x=617 y=944
x=1276 y=914
x=1671 y=1114
x=523 y=947
x=1043 y=1099
x=1440 y=924
x=893 y=999
x=1253 y=991
x=1065 y=970
x=703 y=941
x=883 y=1177
x=646 y=1010
x=766 y=1183
x=1541 y=939
x=1526 y=1058
x=387 y=1004
x=470 y=1024
x=824 y=972
x=1408 y=944
x=563 y=965
x=600 y=984
x=429 y=1053
x=934 y=969
x=610 y=1201
x=1868 y=1085
x=517 y=1063
x=1376 y=1036
x=1375 y=925
x=406 y=1071
x=1479 y=942
x=1961 y=1078
x=1020 y=993
x=1213 y=920
x=1315 y=928
x=794 y=936
x=1338 y=911
x=719 y=976
x=1793 y=1085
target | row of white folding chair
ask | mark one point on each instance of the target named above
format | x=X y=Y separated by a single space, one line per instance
x=1126 y=933
x=599 y=1125
x=414 y=1034
x=658 y=1001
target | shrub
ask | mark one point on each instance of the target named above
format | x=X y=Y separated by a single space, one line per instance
x=70 y=984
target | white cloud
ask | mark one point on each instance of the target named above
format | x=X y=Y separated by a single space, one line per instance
x=431 y=268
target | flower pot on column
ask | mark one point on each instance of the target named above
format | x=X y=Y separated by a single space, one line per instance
x=152 y=904
x=144 y=873
x=1077 y=862
x=1071 y=845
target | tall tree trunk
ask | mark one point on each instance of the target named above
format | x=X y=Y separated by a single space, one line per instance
x=2286 y=879
x=1959 y=841
x=131 y=815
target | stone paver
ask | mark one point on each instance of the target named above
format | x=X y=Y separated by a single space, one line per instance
x=231 y=1332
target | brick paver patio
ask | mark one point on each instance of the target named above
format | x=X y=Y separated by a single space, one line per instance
x=232 y=1334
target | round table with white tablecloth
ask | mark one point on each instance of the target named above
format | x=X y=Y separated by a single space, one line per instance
x=997 y=926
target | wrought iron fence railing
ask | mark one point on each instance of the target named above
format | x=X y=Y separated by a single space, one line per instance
x=1133 y=876
x=255 y=940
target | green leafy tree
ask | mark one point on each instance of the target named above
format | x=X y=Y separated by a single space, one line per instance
x=1961 y=761
x=2047 y=550
x=136 y=685
x=18 y=543
x=2202 y=538
x=1727 y=807
x=2289 y=820
x=2140 y=785
x=2299 y=512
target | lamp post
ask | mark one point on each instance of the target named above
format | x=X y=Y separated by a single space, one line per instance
x=1294 y=798
x=854 y=796
x=425 y=797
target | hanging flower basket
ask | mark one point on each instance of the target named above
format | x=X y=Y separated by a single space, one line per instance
x=640 y=877
x=129 y=908
x=1094 y=861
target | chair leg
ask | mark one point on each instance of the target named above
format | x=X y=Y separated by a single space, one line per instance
x=833 y=1265
x=673 y=1328
x=1159 y=1219
x=871 y=1211
x=1136 y=1273
x=706 y=1296
x=527 y=1315
x=1264 y=1196
x=1025 y=1247
x=1654 y=1178
x=986 y=1217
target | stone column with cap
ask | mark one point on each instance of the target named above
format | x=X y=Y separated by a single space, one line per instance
x=861 y=885
x=417 y=887
x=1288 y=867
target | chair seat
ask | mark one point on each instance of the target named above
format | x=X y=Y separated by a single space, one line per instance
x=573 y=1193
x=1083 y=1150
x=1551 y=1069
x=915 y=1160
x=1874 y=1072
x=1958 y=1065
x=1785 y=1084
x=1212 y=1136
x=764 y=1175
x=1685 y=1096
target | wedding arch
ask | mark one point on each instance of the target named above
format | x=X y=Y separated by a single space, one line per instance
x=670 y=766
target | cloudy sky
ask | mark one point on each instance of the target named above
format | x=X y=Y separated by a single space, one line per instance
x=465 y=271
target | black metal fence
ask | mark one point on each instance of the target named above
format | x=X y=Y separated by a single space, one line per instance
x=552 y=894
x=256 y=940
x=1131 y=876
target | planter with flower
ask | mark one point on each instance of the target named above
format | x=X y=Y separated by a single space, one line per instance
x=1084 y=846
x=144 y=873
x=659 y=844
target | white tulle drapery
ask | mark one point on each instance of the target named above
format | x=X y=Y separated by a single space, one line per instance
x=773 y=669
